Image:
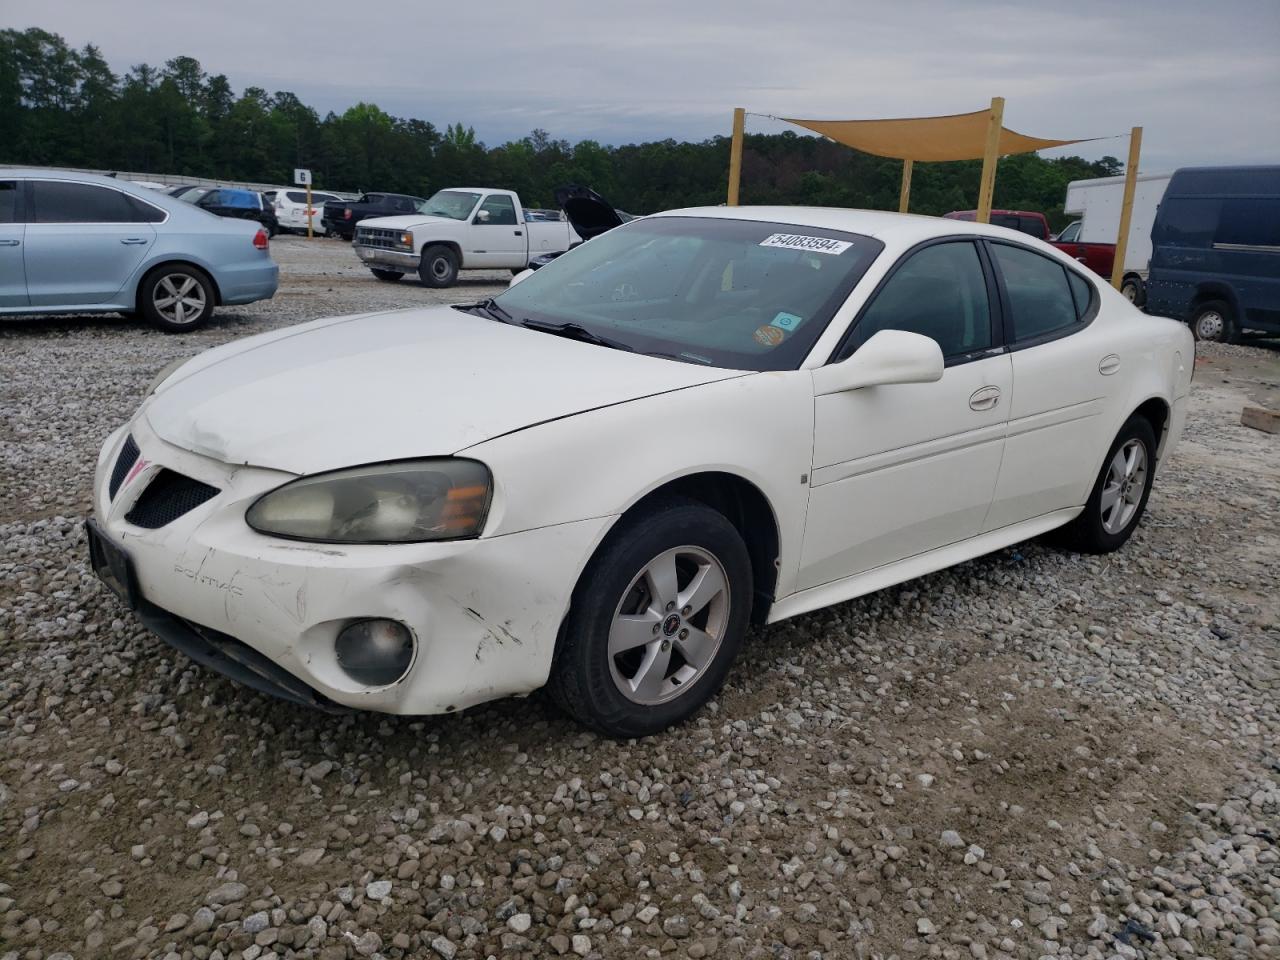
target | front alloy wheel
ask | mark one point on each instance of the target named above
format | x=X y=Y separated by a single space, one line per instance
x=655 y=621
x=669 y=624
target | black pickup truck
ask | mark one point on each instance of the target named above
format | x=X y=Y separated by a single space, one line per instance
x=341 y=216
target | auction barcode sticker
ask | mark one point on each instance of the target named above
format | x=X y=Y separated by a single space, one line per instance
x=797 y=241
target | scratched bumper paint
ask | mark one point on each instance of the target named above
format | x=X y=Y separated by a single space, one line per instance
x=485 y=613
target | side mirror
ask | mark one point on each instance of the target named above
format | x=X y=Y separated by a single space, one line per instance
x=890 y=356
x=482 y=216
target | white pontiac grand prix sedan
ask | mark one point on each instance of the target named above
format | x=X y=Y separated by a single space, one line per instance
x=596 y=480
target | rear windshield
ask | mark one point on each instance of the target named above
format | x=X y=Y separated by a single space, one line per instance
x=238 y=198
x=741 y=294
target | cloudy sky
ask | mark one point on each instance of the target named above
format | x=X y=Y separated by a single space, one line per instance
x=1202 y=78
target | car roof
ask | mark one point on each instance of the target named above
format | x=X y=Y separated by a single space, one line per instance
x=175 y=206
x=900 y=229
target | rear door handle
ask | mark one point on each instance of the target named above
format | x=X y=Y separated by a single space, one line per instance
x=9 y=243
x=1108 y=364
x=984 y=398
x=133 y=240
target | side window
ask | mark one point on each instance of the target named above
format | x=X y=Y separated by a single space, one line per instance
x=1069 y=234
x=210 y=199
x=1187 y=221
x=1082 y=290
x=501 y=209
x=60 y=201
x=1250 y=223
x=939 y=292
x=8 y=201
x=1039 y=295
x=145 y=212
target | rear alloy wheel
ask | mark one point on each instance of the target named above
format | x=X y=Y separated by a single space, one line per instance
x=1214 y=320
x=439 y=267
x=1119 y=495
x=176 y=299
x=389 y=276
x=655 y=622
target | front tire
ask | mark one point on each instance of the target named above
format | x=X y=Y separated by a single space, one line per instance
x=439 y=267
x=1119 y=496
x=387 y=276
x=1214 y=320
x=655 y=622
x=176 y=299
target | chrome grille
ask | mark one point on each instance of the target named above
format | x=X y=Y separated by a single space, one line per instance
x=378 y=237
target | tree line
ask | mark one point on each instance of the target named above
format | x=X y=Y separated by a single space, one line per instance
x=60 y=106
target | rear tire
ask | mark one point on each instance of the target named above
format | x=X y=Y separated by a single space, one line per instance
x=1133 y=291
x=1119 y=496
x=631 y=660
x=439 y=266
x=1214 y=320
x=176 y=299
x=388 y=276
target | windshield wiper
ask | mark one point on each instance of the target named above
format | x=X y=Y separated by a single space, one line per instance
x=489 y=307
x=576 y=331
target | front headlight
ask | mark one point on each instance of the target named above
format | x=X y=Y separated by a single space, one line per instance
x=410 y=501
x=168 y=370
x=406 y=239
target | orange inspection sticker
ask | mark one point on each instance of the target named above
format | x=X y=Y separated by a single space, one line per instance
x=769 y=336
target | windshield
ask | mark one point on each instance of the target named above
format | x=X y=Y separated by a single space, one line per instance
x=740 y=294
x=454 y=204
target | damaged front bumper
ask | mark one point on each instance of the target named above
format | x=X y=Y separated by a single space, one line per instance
x=484 y=613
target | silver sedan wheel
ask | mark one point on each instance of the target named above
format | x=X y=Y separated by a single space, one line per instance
x=1209 y=325
x=668 y=626
x=1122 y=490
x=179 y=298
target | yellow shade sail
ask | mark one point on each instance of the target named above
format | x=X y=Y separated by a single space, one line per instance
x=961 y=136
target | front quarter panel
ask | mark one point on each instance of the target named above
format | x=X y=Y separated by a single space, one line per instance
x=597 y=464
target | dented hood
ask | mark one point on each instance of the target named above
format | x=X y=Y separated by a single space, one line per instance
x=390 y=386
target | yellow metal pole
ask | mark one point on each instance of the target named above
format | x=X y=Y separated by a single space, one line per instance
x=1126 y=210
x=735 y=154
x=904 y=198
x=987 y=187
x=308 y=209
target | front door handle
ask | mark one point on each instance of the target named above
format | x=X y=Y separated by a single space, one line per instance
x=1108 y=364
x=9 y=243
x=984 y=398
x=519 y=233
x=133 y=240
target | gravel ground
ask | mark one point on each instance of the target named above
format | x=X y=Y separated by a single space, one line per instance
x=1032 y=754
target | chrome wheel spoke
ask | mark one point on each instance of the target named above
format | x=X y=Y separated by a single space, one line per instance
x=652 y=675
x=706 y=585
x=697 y=648
x=629 y=632
x=661 y=578
x=1110 y=496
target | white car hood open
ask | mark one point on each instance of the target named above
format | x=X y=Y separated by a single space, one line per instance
x=390 y=386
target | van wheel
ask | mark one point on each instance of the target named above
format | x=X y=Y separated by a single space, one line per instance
x=1131 y=290
x=1214 y=320
x=439 y=266
x=176 y=299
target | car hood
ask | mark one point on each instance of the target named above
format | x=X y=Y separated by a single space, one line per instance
x=405 y=221
x=390 y=386
x=588 y=212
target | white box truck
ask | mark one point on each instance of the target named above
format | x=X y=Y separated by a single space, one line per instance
x=1097 y=203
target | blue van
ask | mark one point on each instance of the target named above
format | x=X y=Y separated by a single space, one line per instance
x=1215 y=251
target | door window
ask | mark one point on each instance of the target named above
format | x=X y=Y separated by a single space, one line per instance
x=1070 y=234
x=61 y=201
x=500 y=208
x=939 y=292
x=1251 y=223
x=8 y=201
x=1040 y=298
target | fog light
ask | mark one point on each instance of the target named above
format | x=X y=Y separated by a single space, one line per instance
x=374 y=652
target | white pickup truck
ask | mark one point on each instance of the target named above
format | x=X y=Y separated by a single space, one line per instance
x=462 y=228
